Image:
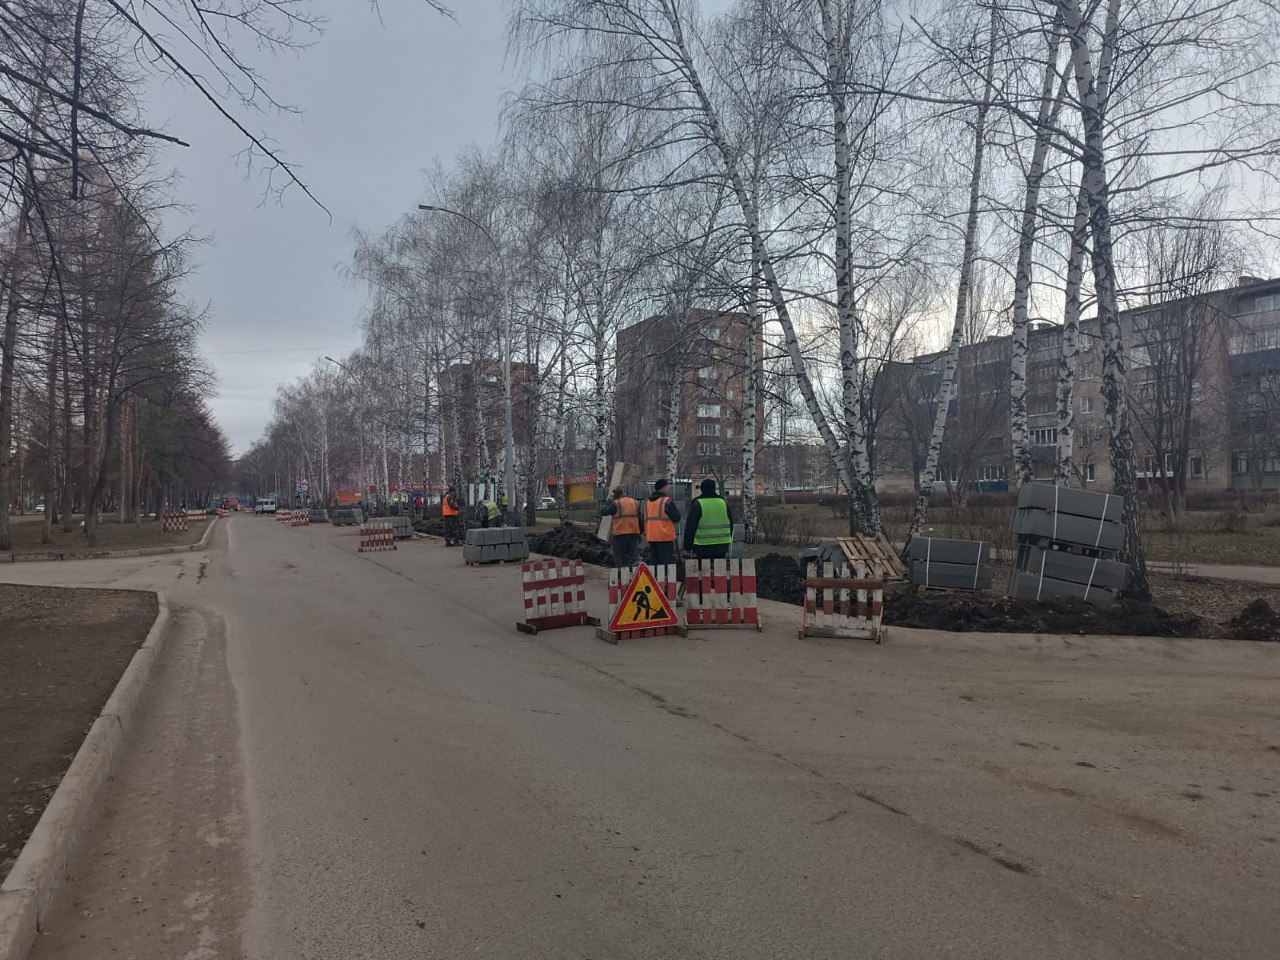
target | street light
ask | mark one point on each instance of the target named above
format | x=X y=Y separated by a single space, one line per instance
x=509 y=439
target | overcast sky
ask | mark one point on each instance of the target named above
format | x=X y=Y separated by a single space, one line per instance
x=380 y=101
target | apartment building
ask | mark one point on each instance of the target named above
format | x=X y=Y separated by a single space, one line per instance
x=701 y=355
x=1204 y=393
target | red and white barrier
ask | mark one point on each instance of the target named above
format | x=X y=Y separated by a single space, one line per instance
x=666 y=578
x=720 y=593
x=301 y=518
x=377 y=535
x=555 y=595
x=196 y=516
x=284 y=516
x=837 y=606
x=174 y=522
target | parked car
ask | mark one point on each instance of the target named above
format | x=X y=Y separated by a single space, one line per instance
x=265 y=506
x=39 y=508
x=547 y=503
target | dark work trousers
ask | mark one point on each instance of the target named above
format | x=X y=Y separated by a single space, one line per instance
x=712 y=551
x=662 y=552
x=626 y=549
x=452 y=531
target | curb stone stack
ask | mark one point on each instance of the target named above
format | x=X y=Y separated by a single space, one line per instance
x=1067 y=545
x=950 y=564
x=495 y=544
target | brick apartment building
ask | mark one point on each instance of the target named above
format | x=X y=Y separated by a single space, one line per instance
x=472 y=398
x=1204 y=385
x=702 y=354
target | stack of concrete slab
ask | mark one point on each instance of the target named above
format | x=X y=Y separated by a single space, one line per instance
x=1067 y=542
x=317 y=515
x=950 y=564
x=495 y=544
x=401 y=527
x=346 y=517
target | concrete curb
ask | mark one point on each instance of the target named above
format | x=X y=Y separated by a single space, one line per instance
x=113 y=554
x=27 y=893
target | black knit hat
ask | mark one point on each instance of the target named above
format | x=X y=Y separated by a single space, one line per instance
x=660 y=484
x=708 y=487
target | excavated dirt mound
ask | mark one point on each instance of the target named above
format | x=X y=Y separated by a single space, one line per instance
x=572 y=543
x=432 y=525
x=778 y=578
x=1257 y=621
x=963 y=614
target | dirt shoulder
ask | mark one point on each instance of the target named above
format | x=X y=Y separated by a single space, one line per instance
x=111 y=536
x=61 y=654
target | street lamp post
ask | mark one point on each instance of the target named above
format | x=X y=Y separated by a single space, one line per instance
x=509 y=440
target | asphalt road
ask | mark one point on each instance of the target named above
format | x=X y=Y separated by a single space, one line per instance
x=357 y=756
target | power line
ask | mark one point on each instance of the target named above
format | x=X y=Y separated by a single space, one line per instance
x=230 y=353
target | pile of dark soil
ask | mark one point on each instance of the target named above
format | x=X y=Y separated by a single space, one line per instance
x=572 y=543
x=433 y=526
x=982 y=612
x=778 y=578
x=1257 y=621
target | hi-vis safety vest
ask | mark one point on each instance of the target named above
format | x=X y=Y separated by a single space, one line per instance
x=450 y=506
x=714 y=527
x=494 y=511
x=627 y=519
x=658 y=527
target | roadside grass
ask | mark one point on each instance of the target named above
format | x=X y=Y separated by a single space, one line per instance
x=112 y=535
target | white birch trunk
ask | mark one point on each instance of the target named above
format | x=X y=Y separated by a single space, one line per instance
x=714 y=132
x=673 y=424
x=1049 y=108
x=750 y=400
x=947 y=388
x=1092 y=96
x=601 y=412
x=1070 y=355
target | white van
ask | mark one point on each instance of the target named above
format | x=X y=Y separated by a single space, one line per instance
x=264 y=506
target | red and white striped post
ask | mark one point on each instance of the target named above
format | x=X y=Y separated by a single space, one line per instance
x=376 y=535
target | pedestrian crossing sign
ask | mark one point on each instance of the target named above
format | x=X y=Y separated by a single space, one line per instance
x=643 y=605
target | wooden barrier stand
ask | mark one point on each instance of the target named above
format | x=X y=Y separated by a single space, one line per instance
x=642 y=603
x=842 y=606
x=720 y=593
x=555 y=595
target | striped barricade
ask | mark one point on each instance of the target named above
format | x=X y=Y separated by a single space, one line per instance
x=720 y=593
x=284 y=516
x=555 y=595
x=376 y=535
x=174 y=522
x=301 y=518
x=626 y=594
x=842 y=606
x=196 y=516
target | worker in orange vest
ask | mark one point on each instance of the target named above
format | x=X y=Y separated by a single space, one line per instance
x=660 y=518
x=451 y=510
x=625 y=531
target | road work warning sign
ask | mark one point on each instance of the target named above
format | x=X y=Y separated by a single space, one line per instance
x=643 y=606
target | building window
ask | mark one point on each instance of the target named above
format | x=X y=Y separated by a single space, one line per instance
x=1269 y=302
x=1086 y=404
x=993 y=471
x=708 y=429
x=728 y=432
x=1089 y=473
x=729 y=393
x=1044 y=436
x=709 y=410
x=1239 y=463
x=708 y=449
x=1197 y=466
x=662 y=433
x=707 y=373
x=1086 y=342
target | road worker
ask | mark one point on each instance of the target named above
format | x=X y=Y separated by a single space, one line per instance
x=451 y=510
x=708 y=531
x=490 y=513
x=660 y=518
x=625 y=531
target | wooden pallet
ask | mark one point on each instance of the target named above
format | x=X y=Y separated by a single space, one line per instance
x=490 y=563
x=554 y=622
x=875 y=553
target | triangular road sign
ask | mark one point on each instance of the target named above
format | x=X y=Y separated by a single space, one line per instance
x=643 y=606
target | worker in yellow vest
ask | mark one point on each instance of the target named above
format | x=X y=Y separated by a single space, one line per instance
x=708 y=533
x=660 y=518
x=625 y=531
x=451 y=510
